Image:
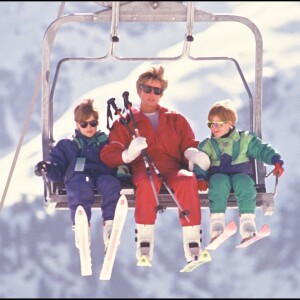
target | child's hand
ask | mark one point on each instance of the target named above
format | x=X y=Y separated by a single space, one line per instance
x=202 y=185
x=278 y=170
x=41 y=166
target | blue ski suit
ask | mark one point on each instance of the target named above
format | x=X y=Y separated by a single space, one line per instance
x=76 y=162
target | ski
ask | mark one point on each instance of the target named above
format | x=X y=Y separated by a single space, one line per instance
x=114 y=240
x=262 y=233
x=82 y=237
x=204 y=257
x=230 y=230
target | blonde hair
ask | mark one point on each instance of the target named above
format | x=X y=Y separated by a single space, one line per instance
x=154 y=73
x=225 y=110
x=84 y=110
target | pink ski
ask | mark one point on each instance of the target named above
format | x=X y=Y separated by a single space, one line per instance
x=262 y=233
x=230 y=230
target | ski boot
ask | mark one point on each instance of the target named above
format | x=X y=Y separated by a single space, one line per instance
x=145 y=244
x=191 y=242
x=217 y=225
x=107 y=228
x=247 y=226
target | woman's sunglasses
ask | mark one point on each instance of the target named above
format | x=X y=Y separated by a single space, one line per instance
x=93 y=123
x=147 y=89
x=215 y=124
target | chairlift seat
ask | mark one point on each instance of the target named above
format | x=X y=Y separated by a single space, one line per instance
x=57 y=199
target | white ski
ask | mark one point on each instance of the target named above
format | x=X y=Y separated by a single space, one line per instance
x=82 y=235
x=230 y=230
x=114 y=240
x=262 y=233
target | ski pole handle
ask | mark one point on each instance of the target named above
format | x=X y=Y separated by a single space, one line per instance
x=128 y=105
x=111 y=102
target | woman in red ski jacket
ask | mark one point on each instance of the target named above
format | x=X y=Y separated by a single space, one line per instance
x=170 y=142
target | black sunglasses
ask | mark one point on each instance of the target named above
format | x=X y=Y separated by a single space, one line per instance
x=93 y=123
x=147 y=89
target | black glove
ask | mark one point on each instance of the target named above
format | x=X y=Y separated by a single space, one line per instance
x=41 y=166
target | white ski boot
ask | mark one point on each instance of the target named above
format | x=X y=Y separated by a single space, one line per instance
x=145 y=244
x=247 y=226
x=217 y=225
x=191 y=242
x=107 y=228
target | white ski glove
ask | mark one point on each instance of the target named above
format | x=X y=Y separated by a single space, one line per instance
x=134 y=150
x=194 y=156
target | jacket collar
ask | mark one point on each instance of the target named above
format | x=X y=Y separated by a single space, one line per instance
x=138 y=115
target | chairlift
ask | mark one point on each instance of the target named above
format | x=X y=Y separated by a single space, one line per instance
x=116 y=12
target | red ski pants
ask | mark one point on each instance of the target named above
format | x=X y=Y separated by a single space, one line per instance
x=184 y=185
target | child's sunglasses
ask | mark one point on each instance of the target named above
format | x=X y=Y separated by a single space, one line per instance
x=93 y=123
x=147 y=89
x=215 y=124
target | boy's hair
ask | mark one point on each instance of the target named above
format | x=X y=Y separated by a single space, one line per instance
x=84 y=110
x=154 y=73
x=225 y=110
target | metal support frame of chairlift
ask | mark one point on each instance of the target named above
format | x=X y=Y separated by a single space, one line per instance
x=137 y=11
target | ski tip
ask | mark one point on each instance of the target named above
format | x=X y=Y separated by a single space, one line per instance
x=80 y=209
x=144 y=262
x=232 y=225
x=123 y=200
x=266 y=229
x=80 y=213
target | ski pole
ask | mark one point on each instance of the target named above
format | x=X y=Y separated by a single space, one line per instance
x=276 y=181
x=159 y=208
x=128 y=105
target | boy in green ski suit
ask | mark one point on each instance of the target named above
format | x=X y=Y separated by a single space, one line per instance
x=229 y=151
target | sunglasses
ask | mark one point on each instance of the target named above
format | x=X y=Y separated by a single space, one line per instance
x=93 y=123
x=148 y=89
x=215 y=124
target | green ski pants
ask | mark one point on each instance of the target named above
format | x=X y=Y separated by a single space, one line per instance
x=242 y=185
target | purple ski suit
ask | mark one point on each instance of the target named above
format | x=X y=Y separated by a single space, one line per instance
x=76 y=162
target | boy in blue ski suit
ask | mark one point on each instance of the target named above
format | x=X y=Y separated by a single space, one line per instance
x=76 y=162
x=229 y=151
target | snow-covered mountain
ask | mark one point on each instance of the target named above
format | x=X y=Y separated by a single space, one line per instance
x=38 y=257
